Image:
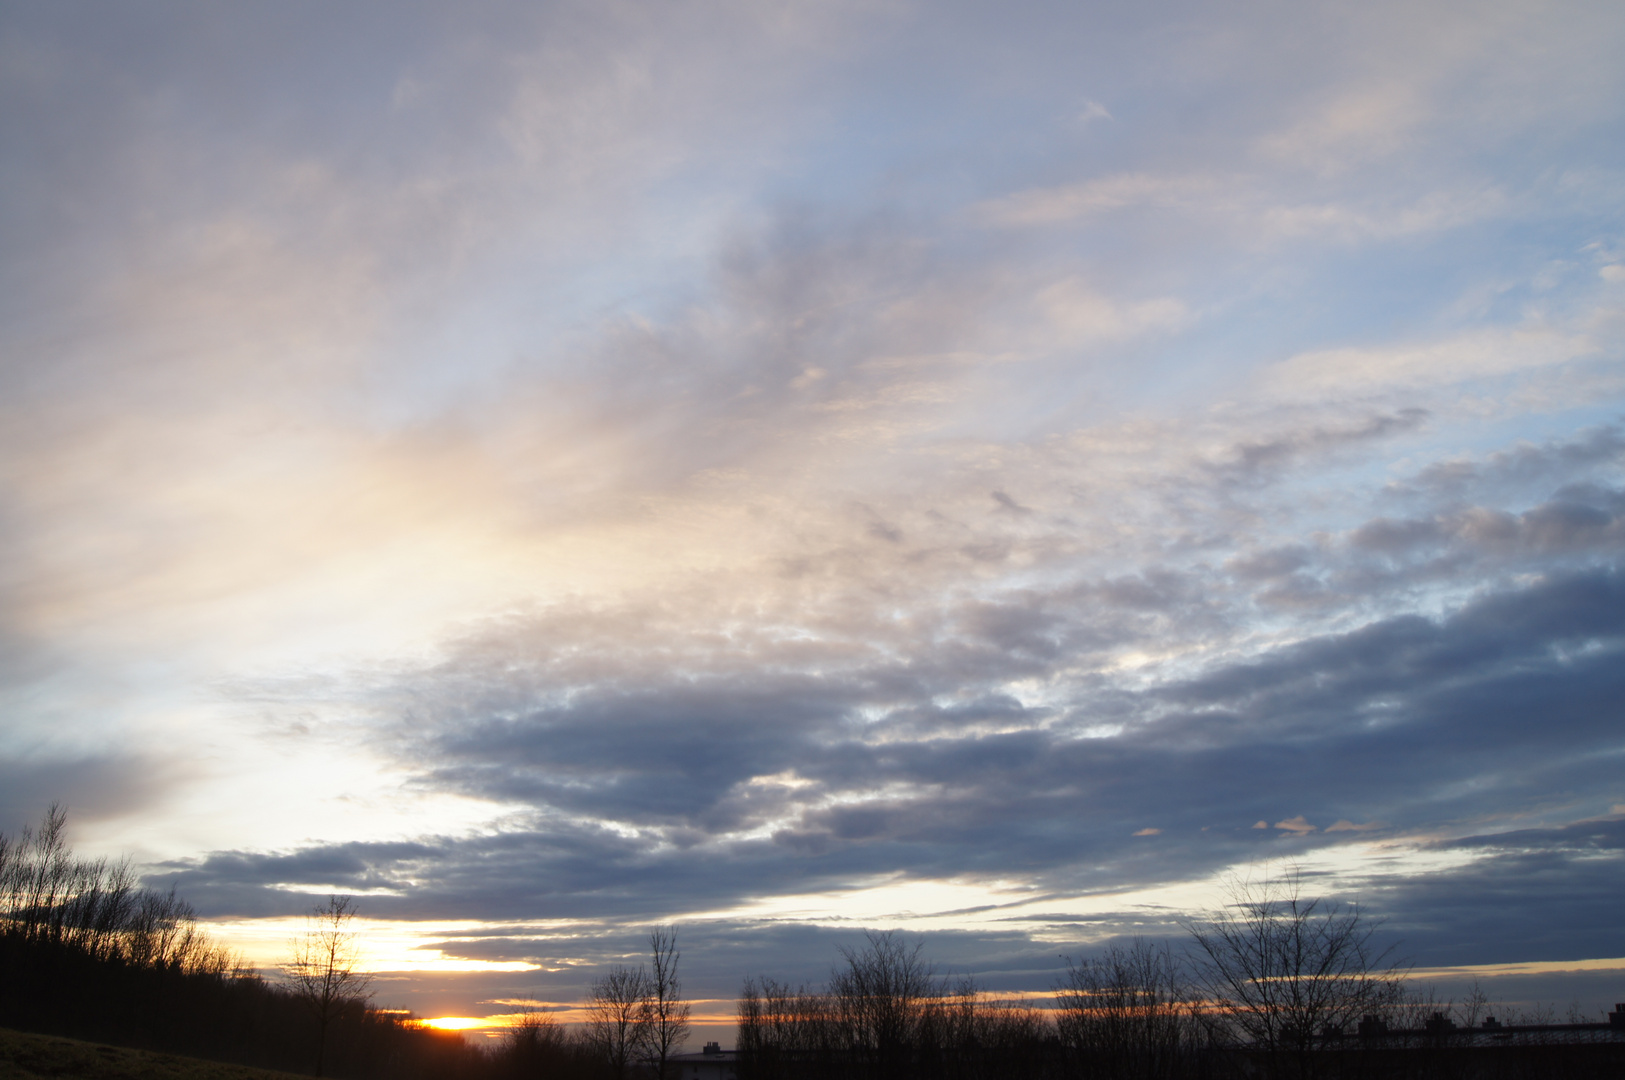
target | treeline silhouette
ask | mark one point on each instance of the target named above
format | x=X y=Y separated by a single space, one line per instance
x=885 y=1013
x=87 y=953
x=1273 y=985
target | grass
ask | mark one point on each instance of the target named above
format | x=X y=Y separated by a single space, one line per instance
x=37 y=1057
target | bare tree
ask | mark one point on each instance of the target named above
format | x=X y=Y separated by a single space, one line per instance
x=618 y=1018
x=880 y=1000
x=38 y=878
x=784 y=1032
x=886 y=1015
x=1126 y=1013
x=50 y=898
x=666 y=1013
x=323 y=967
x=1281 y=969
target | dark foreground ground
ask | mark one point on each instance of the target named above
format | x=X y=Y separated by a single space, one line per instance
x=37 y=1057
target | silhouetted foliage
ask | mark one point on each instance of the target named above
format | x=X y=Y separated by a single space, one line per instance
x=540 y=1048
x=636 y=1017
x=665 y=1012
x=1127 y=1013
x=1279 y=971
x=50 y=899
x=86 y=952
x=1147 y=1011
x=617 y=1018
x=882 y=998
x=322 y=968
x=885 y=1015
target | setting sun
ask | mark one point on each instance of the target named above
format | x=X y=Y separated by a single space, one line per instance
x=462 y=1023
x=487 y=488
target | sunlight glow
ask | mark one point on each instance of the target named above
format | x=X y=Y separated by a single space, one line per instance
x=1533 y=967
x=386 y=945
x=465 y=1023
x=614 y=500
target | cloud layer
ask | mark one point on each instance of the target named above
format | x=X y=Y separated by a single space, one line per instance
x=578 y=466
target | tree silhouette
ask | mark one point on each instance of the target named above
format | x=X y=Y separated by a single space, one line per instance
x=1126 y=1013
x=617 y=1018
x=666 y=1013
x=322 y=967
x=1282 y=969
x=881 y=997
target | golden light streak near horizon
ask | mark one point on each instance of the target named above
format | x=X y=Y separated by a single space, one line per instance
x=1531 y=967
x=387 y=946
x=713 y=1012
x=898 y=902
x=705 y=1012
x=929 y=905
x=1067 y=922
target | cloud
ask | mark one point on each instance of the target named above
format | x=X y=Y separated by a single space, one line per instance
x=1082 y=315
x=1478 y=355
x=93 y=789
x=693 y=772
x=1531 y=893
x=1250 y=458
x=1244 y=204
x=1579 y=519
x=1518 y=470
x=1069 y=202
x=601 y=464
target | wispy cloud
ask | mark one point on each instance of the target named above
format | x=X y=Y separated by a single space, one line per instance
x=592 y=465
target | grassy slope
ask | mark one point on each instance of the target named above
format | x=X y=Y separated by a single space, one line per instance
x=35 y=1057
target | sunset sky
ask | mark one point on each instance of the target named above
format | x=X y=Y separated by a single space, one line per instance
x=779 y=468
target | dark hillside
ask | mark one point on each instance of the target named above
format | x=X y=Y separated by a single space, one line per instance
x=86 y=953
x=25 y=1056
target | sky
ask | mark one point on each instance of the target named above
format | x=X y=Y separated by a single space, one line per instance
x=991 y=471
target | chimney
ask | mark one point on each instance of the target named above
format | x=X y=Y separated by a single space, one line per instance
x=1617 y=1017
x=1372 y=1025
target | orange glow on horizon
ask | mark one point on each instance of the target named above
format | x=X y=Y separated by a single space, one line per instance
x=464 y=1023
x=721 y=1012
